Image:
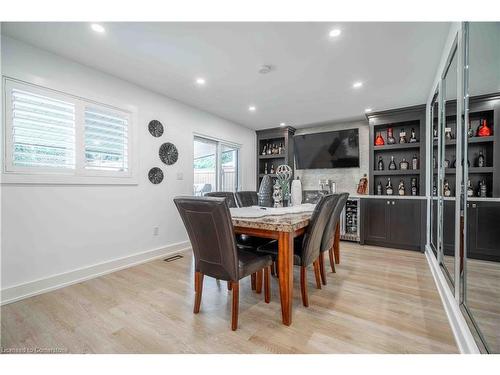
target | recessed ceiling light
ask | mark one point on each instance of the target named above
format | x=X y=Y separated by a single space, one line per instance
x=368 y=110
x=282 y=124
x=200 y=81
x=357 y=85
x=97 y=28
x=252 y=108
x=334 y=33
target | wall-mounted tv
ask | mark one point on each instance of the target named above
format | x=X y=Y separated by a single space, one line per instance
x=336 y=149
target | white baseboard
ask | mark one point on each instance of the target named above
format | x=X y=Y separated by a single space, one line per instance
x=33 y=288
x=463 y=336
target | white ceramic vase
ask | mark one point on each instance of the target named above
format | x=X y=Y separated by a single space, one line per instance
x=296 y=194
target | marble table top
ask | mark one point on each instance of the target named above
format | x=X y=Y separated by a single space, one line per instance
x=287 y=222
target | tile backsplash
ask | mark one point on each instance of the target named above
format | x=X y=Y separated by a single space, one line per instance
x=346 y=179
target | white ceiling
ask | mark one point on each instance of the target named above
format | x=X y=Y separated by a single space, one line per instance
x=314 y=73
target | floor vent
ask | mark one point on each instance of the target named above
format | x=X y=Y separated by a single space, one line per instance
x=172 y=258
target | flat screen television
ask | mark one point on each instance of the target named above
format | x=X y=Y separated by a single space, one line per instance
x=336 y=149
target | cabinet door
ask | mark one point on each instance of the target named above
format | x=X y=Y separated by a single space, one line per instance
x=376 y=221
x=484 y=233
x=405 y=224
x=449 y=227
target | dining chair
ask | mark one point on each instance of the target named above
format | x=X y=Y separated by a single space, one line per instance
x=307 y=247
x=330 y=240
x=216 y=254
x=247 y=198
x=231 y=201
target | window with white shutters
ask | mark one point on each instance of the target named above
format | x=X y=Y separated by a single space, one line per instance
x=74 y=140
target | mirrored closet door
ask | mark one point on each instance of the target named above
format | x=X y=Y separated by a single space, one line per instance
x=480 y=280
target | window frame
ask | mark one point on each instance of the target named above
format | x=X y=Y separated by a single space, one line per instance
x=53 y=175
x=218 y=162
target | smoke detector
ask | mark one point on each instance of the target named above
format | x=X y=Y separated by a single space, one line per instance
x=264 y=69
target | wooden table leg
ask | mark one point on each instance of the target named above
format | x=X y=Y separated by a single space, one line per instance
x=285 y=271
x=336 y=244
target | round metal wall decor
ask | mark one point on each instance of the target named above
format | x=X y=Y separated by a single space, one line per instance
x=155 y=127
x=155 y=175
x=168 y=153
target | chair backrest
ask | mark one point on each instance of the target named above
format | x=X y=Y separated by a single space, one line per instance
x=210 y=229
x=247 y=198
x=311 y=244
x=231 y=202
x=327 y=241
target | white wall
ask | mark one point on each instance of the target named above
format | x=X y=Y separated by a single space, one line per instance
x=346 y=179
x=53 y=229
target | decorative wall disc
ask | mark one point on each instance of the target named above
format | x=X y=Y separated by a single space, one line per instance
x=168 y=153
x=155 y=128
x=155 y=175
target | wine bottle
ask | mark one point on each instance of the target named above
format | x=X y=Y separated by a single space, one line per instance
x=392 y=164
x=470 y=132
x=402 y=136
x=446 y=189
x=264 y=150
x=401 y=187
x=414 y=188
x=434 y=190
x=447 y=134
x=380 y=164
x=414 y=162
x=390 y=137
x=403 y=164
x=272 y=168
x=470 y=190
x=379 y=141
x=379 y=188
x=265 y=168
x=280 y=148
x=480 y=160
x=388 y=187
x=269 y=151
x=413 y=137
x=483 y=189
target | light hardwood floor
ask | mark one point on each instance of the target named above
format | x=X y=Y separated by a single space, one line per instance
x=379 y=301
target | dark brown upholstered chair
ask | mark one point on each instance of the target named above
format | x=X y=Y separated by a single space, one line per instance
x=247 y=198
x=231 y=201
x=307 y=247
x=330 y=241
x=210 y=229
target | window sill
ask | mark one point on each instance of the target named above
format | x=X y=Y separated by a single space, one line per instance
x=62 y=179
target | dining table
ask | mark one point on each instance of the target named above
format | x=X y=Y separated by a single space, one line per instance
x=282 y=224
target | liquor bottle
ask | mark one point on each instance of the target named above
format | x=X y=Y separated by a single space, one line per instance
x=392 y=164
x=480 y=160
x=379 y=188
x=280 y=148
x=446 y=189
x=380 y=164
x=390 y=137
x=413 y=137
x=379 y=141
x=402 y=136
x=414 y=188
x=470 y=190
x=274 y=150
x=483 y=130
x=435 y=132
x=283 y=150
x=388 y=187
x=470 y=132
x=265 y=168
x=414 y=162
x=272 y=168
x=434 y=162
x=434 y=190
x=403 y=164
x=264 y=150
x=446 y=163
x=269 y=151
x=447 y=134
x=482 y=189
x=401 y=187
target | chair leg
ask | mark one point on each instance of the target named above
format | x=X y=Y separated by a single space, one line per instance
x=252 y=278
x=198 y=286
x=229 y=285
x=236 y=296
x=267 y=285
x=317 y=274
x=336 y=244
x=332 y=261
x=322 y=268
x=303 y=285
x=258 y=282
